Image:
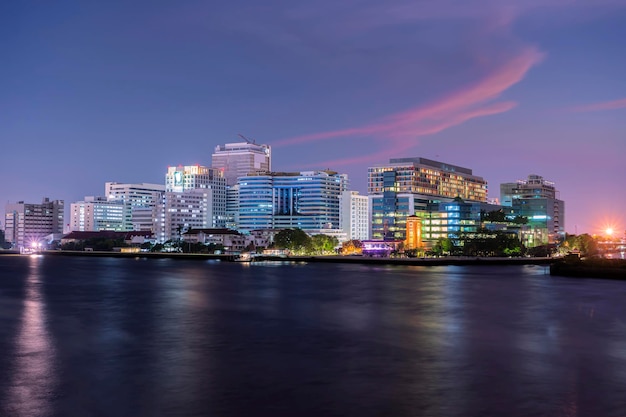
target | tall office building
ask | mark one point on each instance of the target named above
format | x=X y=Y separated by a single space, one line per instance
x=139 y=200
x=95 y=214
x=406 y=185
x=536 y=199
x=306 y=200
x=190 y=177
x=239 y=159
x=354 y=215
x=27 y=224
x=195 y=197
x=179 y=212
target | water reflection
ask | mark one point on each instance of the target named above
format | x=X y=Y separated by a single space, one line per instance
x=33 y=376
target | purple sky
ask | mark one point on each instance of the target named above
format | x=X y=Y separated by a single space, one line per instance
x=116 y=91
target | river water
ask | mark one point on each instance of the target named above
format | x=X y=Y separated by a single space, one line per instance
x=124 y=337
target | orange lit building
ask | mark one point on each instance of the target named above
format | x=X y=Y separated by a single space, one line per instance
x=413 y=232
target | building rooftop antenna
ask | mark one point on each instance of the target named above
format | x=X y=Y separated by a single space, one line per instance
x=252 y=141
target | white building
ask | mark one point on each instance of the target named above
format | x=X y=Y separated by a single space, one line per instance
x=139 y=200
x=94 y=214
x=231 y=240
x=239 y=159
x=183 y=179
x=181 y=211
x=354 y=215
x=27 y=225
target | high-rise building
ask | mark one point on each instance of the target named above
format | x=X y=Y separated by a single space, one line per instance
x=354 y=216
x=182 y=179
x=194 y=198
x=139 y=201
x=29 y=224
x=179 y=212
x=537 y=200
x=239 y=159
x=190 y=177
x=450 y=220
x=305 y=200
x=94 y=214
x=406 y=185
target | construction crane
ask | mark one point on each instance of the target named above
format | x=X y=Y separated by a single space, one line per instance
x=246 y=139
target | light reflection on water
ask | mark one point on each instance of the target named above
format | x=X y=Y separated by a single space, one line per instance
x=32 y=379
x=183 y=338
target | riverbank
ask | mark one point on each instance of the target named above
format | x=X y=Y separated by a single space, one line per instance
x=591 y=268
x=448 y=260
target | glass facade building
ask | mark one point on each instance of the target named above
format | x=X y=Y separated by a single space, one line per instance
x=306 y=200
x=406 y=185
x=536 y=199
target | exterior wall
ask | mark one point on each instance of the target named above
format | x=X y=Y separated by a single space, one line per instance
x=404 y=185
x=27 y=223
x=179 y=212
x=232 y=241
x=545 y=219
x=232 y=207
x=354 y=217
x=98 y=213
x=536 y=199
x=239 y=159
x=184 y=179
x=450 y=220
x=306 y=200
x=135 y=197
x=390 y=211
x=427 y=177
x=413 y=233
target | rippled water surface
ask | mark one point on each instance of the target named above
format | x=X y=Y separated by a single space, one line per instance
x=122 y=337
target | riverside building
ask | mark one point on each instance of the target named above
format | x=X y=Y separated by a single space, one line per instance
x=239 y=159
x=195 y=197
x=406 y=185
x=307 y=200
x=95 y=214
x=139 y=201
x=354 y=215
x=536 y=199
x=27 y=225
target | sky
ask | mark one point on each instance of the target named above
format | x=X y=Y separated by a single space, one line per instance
x=97 y=91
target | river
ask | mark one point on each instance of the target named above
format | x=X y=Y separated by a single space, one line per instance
x=163 y=337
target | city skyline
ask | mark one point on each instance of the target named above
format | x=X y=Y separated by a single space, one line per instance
x=119 y=92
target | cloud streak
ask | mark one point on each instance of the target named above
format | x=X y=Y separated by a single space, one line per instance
x=606 y=105
x=475 y=100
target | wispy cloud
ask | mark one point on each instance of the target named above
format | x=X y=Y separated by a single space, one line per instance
x=606 y=105
x=475 y=100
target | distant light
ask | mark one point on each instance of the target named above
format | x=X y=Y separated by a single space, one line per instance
x=609 y=231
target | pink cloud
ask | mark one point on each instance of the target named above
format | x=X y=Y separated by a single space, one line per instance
x=455 y=108
x=607 y=105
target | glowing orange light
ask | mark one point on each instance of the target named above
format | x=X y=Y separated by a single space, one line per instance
x=609 y=231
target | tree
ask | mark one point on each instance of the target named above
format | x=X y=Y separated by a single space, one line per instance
x=444 y=246
x=587 y=245
x=323 y=244
x=295 y=240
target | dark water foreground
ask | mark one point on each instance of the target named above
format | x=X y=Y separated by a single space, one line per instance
x=125 y=337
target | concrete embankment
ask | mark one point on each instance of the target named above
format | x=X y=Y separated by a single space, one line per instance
x=147 y=255
x=448 y=260
x=607 y=269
